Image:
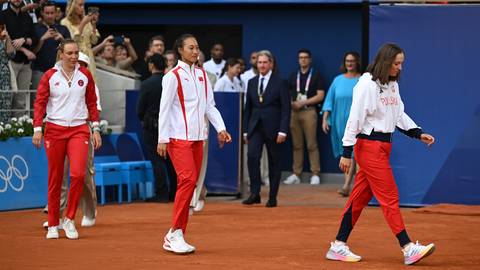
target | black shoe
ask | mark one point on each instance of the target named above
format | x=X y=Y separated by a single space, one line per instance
x=271 y=203
x=158 y=200
x=252 y=199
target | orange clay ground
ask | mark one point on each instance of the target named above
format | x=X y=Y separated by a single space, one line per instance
x=228 y=235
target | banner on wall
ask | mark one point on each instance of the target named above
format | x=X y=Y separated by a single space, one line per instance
x=23 y=175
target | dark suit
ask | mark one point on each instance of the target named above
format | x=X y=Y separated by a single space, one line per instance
x=262 y=122
x=147 y=112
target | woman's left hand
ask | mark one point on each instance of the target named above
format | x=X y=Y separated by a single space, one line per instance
x=97 y=140
x=223 y=137
x=427 y=139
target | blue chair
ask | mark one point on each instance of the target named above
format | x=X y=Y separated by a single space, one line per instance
x=134 y=168
x=108 y=174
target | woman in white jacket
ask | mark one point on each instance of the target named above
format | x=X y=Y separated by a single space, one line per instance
x=376 y=111
x=187 y=101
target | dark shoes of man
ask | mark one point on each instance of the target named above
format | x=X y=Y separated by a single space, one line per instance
x=252 y=199
x=272 y=202
x=156 y=199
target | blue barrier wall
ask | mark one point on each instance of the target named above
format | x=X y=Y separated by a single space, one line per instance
x=327 y=31
x=223 y=172
x=439 y=87
x=23 y=174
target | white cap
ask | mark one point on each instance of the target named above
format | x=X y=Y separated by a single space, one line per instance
x=84 y=58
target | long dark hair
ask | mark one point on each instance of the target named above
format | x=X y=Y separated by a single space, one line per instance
x=381 y=65
x=179 y=44
x=230 y=63
x=358 y=62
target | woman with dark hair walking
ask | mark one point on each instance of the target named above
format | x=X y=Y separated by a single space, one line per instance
x=376 y=111
x=186 y=103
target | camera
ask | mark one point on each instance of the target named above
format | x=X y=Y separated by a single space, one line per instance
x=93 y=10
x=118 y=40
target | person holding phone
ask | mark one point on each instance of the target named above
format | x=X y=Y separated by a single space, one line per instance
x=83 y=28
x=186 y=103
x=49 y=35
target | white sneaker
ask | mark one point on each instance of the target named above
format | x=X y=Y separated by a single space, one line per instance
x=175 y=243
x=292 y=179
x=69 y=228
x=59 y=226
x=341 y=252
x=415 y=252
x=199 y=206
x=52 y=232
x=315 y=180
x=87 y=222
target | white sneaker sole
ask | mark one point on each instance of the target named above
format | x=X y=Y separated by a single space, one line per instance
x=428 y=253
x=52 y=236
x=334 y=257
x=167 y=247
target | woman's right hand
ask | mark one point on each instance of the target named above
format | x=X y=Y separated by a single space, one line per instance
x=345 y=164
x=162 y=150
x=37 y=139
x=325 y=127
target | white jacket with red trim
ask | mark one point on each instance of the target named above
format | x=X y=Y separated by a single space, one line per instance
x=64 y=105
x=184 y=105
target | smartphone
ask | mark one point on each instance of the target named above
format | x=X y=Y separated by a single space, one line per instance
x=118 y=39
x=92 y=10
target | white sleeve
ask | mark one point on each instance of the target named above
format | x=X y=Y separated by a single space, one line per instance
x=211 y=111
x=364 y=103
x=169 y=90
x=404 y=121
x=99 y=106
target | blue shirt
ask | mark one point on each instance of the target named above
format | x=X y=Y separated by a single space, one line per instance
x=47 y=56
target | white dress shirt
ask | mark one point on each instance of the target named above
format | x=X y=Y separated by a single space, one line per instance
x=375 y=107
x=246 y=76
x=185 y=120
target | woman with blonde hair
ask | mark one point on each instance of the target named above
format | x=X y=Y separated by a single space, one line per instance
x=83 y=28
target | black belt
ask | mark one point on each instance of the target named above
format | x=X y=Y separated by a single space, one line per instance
x=377 y=136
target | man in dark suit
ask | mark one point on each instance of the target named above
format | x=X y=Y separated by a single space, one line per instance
x=266 y=121
x=147 y=112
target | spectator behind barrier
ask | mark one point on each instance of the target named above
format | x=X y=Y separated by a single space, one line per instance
x=20 y=28
x=155 y=45
x=216 y=63
x=125 y=55
x=229 y=81
x=105 y=52
x=171 y=59
x=83 y=28
x=6 y=52
x=252 y=72
x=49 y=35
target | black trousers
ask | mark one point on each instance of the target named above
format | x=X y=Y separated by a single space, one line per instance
x=255 y=147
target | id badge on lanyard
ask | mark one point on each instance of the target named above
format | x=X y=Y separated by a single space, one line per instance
x=301 y=96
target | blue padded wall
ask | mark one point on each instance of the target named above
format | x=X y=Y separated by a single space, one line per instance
x=439 y=87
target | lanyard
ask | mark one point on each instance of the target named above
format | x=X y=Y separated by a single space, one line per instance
x=307 y=84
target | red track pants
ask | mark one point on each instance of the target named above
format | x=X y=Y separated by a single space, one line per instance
x=63 y=141
x=186 y=157
x=375 y=177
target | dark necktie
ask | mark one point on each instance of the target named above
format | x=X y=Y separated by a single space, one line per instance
x=261 y=86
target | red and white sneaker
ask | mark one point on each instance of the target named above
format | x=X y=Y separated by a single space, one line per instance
x=175 y=242
x=341 y=252
x=413 y=253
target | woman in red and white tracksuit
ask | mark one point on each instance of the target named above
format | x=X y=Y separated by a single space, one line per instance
x=66 y=94
x=376 y=111
x=186 y=103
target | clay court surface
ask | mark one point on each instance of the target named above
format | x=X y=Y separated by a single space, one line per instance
x=228 y=235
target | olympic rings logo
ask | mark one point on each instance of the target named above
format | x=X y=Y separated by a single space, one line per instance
x=15 y=174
